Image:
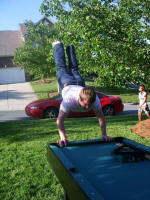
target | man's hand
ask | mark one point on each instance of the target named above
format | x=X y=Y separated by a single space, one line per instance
x=107 y=138
x=63 y=142
x=60 y=123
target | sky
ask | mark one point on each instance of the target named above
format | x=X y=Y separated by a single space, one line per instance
x=15 y=12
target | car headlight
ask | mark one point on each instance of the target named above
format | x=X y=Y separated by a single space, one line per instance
x=33 y=107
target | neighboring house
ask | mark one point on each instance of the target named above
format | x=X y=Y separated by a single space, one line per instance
x=9 y=41
x=45 y=21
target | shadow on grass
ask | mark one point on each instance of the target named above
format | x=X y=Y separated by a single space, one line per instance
x=43 y=92
x=91 y=121
x=46 y=129
x=117 y=91
x=126 y=119
x=28 y=130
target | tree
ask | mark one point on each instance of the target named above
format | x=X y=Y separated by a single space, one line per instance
x=110 y=36
x=35 y=56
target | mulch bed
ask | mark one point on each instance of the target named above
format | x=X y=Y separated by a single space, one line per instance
x=142 y=128
x=52 y=94
x=43 y=81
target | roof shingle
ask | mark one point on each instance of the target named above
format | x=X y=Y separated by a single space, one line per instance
x=9 y=41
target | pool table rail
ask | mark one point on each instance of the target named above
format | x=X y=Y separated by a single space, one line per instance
x=75 y=183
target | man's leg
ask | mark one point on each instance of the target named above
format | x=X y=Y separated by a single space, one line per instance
x=73 y=65
x=63 y=76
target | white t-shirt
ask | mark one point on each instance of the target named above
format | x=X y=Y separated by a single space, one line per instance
x=141 y=97
x=70 y=95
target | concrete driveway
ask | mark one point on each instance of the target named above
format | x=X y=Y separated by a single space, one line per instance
x=13 y=99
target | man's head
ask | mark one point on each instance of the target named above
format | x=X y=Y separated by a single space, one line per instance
x=87 y=97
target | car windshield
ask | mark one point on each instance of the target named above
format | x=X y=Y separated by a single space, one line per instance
x=102 y=95
x=59 y=98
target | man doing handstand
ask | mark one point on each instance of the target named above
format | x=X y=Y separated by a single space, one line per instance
x=76 y=97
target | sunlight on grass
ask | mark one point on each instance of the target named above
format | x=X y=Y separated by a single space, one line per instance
x=24 y=170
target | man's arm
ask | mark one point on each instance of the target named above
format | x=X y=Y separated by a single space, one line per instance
x=101 y=119
x=60 y=125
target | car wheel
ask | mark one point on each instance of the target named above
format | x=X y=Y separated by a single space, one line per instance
x=51 y=113
x=108 y=110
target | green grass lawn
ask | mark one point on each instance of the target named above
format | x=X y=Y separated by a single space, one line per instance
x=128 y=95
x=42 y=89
x=24 y=171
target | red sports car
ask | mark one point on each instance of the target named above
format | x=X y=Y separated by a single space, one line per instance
x=48 y=108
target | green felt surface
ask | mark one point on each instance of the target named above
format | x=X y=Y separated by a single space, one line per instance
x=114 y=180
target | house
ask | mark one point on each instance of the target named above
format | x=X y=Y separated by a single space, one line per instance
x=9 y=41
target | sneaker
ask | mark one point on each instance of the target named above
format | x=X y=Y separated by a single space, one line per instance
x=54 y=43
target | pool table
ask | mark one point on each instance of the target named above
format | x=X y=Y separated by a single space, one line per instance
x=96 y=170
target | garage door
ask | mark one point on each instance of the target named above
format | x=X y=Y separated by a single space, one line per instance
x=12 y=75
